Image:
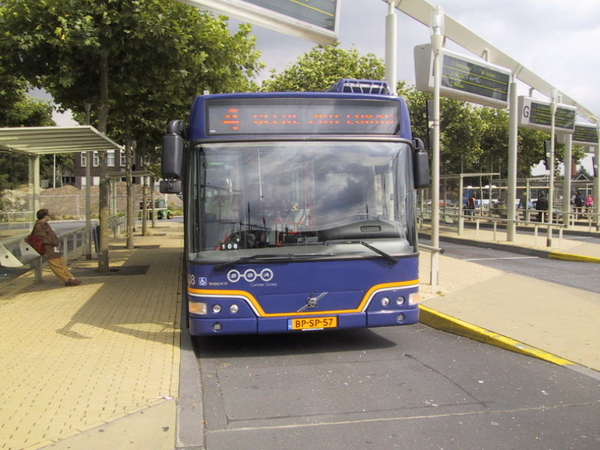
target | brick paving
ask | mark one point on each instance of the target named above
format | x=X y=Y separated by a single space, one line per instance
x=74 y=358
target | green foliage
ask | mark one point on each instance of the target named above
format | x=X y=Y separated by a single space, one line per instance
x=323 y=66
x=17 y=109
x=142 y=60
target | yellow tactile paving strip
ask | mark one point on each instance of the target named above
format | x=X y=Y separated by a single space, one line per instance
x=73 y=358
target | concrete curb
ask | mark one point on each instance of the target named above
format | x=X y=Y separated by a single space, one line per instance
x=444 y=322
x=190 y=412
x=519 y=249
x=572 y=257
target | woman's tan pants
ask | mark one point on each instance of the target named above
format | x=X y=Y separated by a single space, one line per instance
x=60 y=269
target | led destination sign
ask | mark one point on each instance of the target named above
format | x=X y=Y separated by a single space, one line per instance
x=301 y=116
x=538 y=115
x=463 y=78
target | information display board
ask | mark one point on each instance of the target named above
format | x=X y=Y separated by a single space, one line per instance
x=314 y=20
x=463 y=78
x=536 y=114
x=585 y=134
x=320 y=13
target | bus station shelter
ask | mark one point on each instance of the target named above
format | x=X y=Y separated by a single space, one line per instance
x=32 y=142
x=35 y=141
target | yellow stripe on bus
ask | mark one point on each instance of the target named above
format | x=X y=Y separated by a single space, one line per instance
x=261 y=312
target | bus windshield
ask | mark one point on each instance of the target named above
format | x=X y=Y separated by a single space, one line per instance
x=301 y=197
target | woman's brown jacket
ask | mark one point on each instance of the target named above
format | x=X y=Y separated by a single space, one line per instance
x=51 y=242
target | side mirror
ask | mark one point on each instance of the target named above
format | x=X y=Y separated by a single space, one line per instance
x=420 y=165
x=172 y=152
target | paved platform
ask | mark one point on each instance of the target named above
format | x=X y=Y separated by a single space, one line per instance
x=99 y=365
x=75 y=359
x=523 y=314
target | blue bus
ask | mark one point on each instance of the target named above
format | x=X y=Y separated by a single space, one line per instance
x=299 y=209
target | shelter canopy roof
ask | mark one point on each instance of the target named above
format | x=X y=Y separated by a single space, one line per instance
x=48 y=140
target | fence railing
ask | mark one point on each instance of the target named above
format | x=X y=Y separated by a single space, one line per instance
x=72 y=245
x=458 y=220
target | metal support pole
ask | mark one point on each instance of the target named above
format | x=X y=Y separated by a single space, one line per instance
x=437 y=40
x=34 y=179
x=461 y=206
x=566 y=204
x=513 y=138
x=553 y=107
x=391 y=39
x=597 y=181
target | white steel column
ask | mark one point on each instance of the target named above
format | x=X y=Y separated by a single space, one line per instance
x=34 y=179
x=597 y=180
x=513 y=139
x=566 y=206
x=391 y=39
x=553 y=106
x=436 y=26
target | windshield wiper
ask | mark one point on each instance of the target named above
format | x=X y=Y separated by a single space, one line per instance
x=279 y=256
x=385 y=255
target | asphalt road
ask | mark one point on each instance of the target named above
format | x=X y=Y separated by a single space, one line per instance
x=581 y=275
x=399 y=387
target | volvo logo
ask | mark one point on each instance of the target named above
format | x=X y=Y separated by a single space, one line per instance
x=312 y=302
x=250 y=275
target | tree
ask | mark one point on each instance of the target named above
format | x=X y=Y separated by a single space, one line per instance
x=17 y=109
x=132 y=56
x=461 y=130
x=323 y=66
x=531 y=150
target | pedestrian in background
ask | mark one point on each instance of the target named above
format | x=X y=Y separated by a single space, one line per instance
x=542 y=206
x=471 y=205
x=579 y=202
x=589 y=204
x=52 y=251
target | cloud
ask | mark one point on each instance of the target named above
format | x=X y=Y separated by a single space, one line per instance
x=64 y=119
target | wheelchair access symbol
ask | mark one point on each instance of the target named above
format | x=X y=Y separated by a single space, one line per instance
x=250 y=275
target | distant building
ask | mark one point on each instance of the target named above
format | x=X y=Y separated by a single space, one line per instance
x=116 y=163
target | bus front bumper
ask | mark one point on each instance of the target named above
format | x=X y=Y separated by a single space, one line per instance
x=231 y=326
